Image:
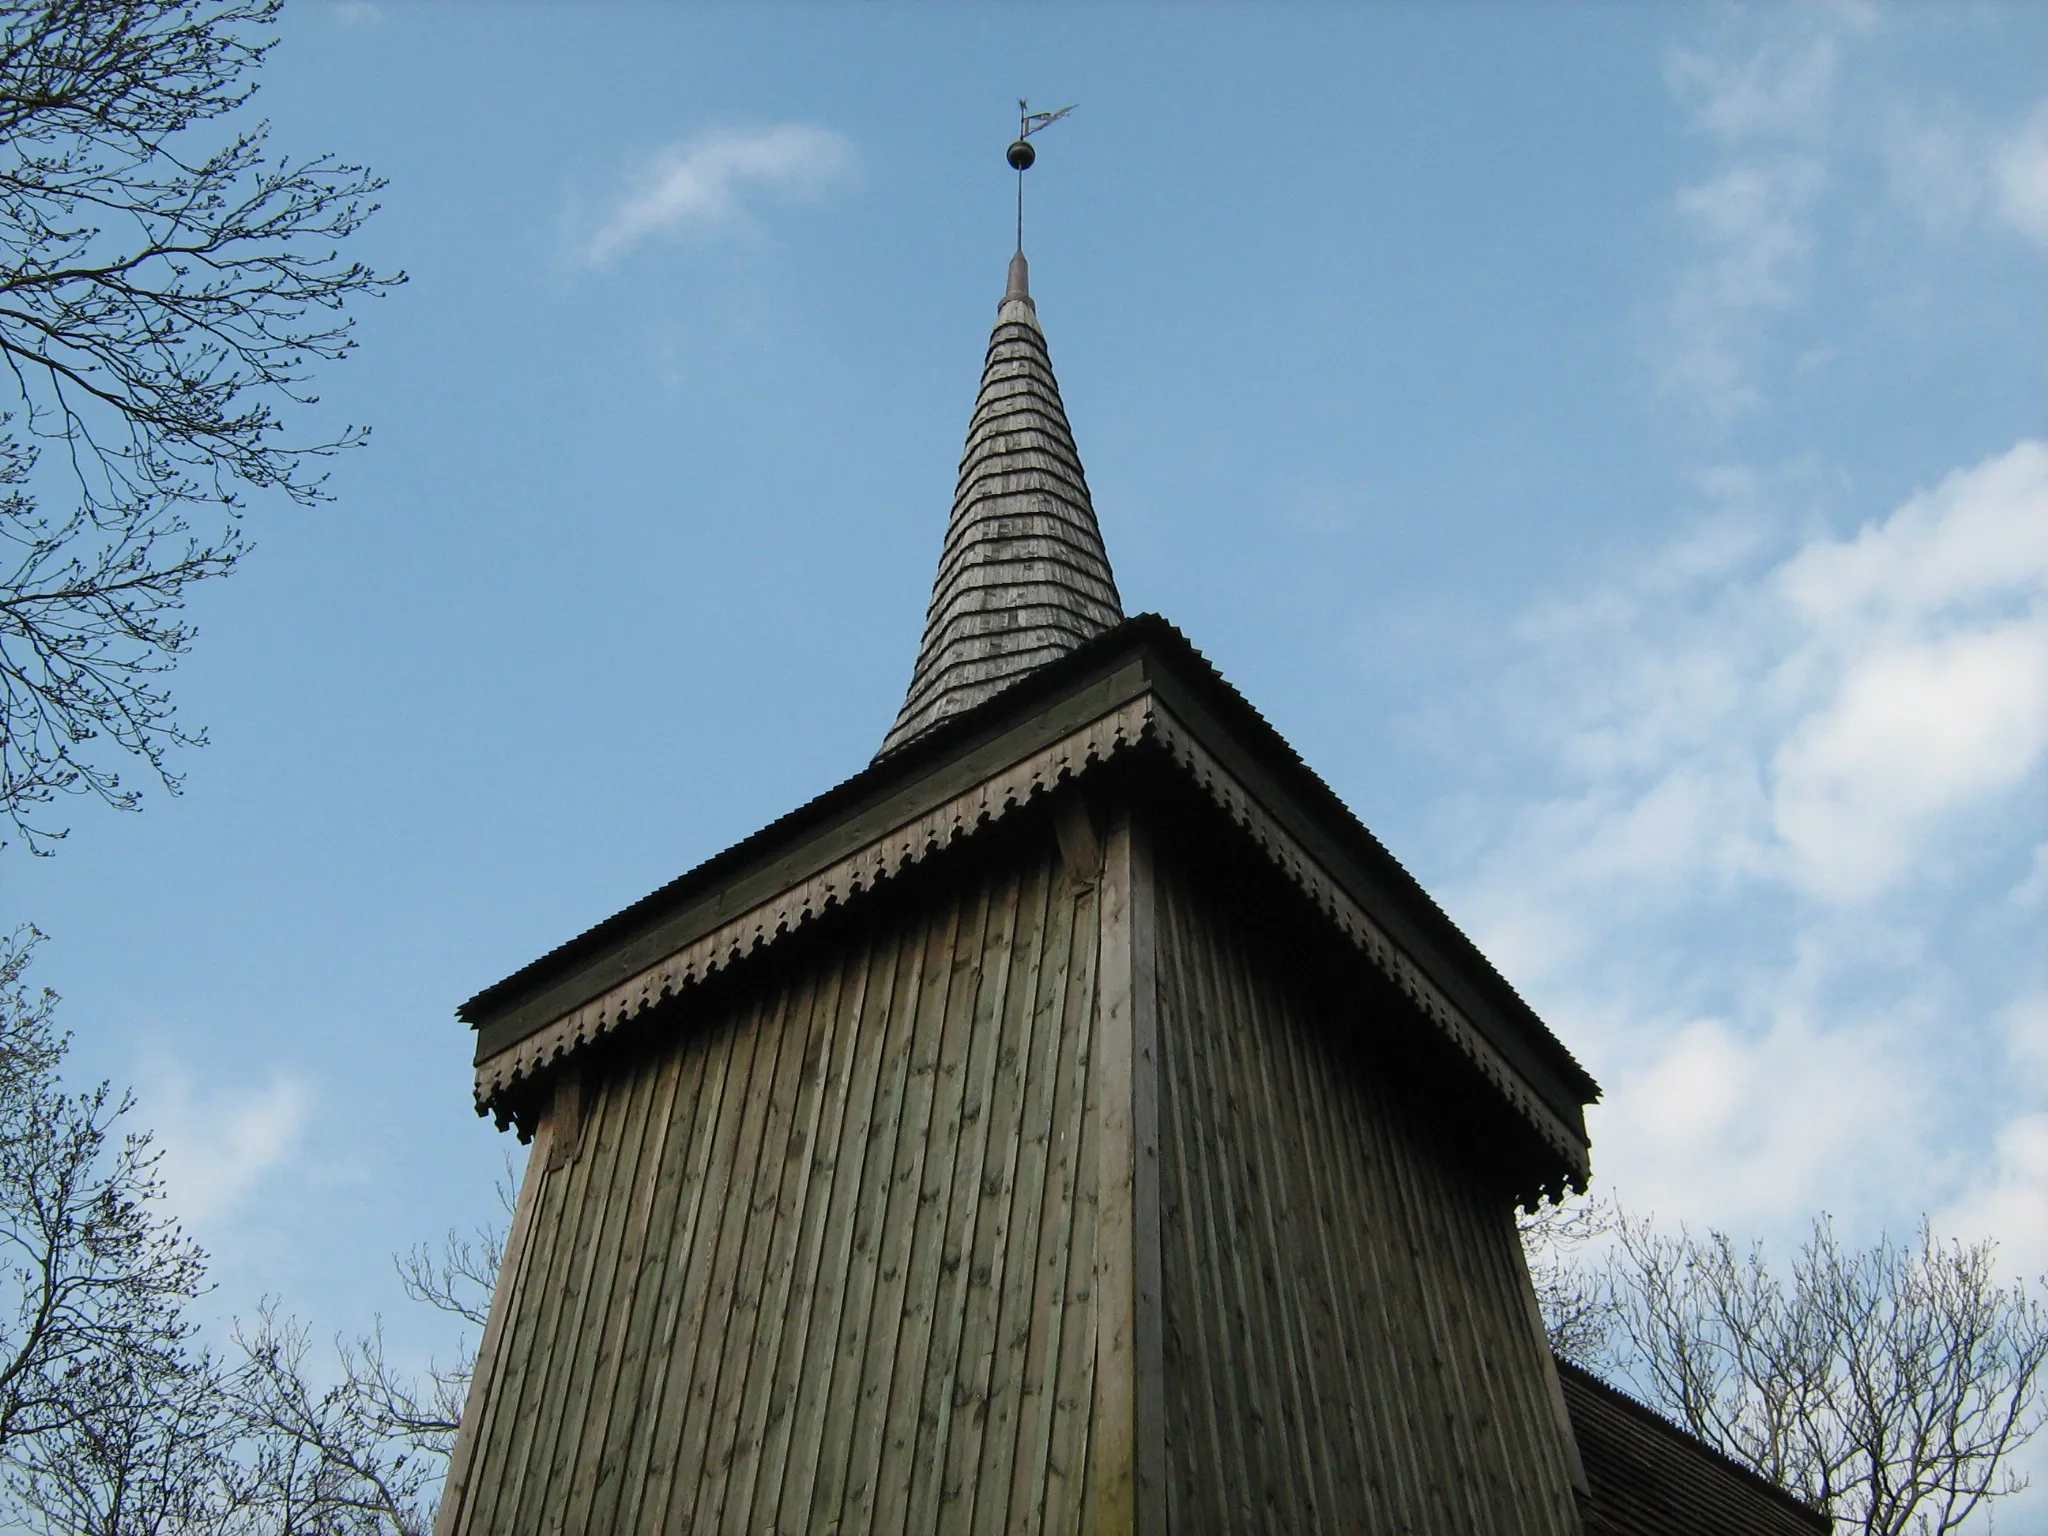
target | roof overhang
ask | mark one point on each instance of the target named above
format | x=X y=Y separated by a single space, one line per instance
x=1138 y=689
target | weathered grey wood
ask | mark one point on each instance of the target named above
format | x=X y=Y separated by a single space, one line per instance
x=591 y=1382
x=588 y=1178
x=1060 y=1466
x=997 y=1239
x=1023 y=577
x=772 y=1389
x=868 y=1028
x=1281 y=1226
x=643 y=1358
x=938 y=1145
x=869 y=1224
x=867 y=1245
x=724 y=1270
x=490 y=1350
x=718 y=1060
x=1365 y=1347
x=1027 y=1314
x=722 y=1137
x=879 y=1344
x=929 y=1500
x=748 y=1332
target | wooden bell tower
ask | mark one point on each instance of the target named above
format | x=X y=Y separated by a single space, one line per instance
x=1075 y=1121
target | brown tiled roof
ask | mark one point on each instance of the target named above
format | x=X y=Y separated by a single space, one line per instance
x=1648 y=1477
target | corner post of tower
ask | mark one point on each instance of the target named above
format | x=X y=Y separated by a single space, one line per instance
x=1127 y=1458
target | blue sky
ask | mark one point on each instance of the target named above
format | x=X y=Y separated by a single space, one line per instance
x=1607 y=440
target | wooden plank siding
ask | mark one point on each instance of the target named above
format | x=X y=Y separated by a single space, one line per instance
x=1346 y=1346
x=826 y=1261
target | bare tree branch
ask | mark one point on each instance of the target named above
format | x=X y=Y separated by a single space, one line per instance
x=165 y=292
x=1888 y=1385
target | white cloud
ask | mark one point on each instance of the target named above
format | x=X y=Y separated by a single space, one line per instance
x=1752 y=225
x=220 y=1142
x=2020 y=169
x=1952 y=170
x=1790 y=141
x=1925 y=648
x=1772 y=779
x=1784 y=89
x=1771 y=109
x=1712 y=1118
x=702 y=186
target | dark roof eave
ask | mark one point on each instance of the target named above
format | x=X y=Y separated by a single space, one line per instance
x=1213 y=691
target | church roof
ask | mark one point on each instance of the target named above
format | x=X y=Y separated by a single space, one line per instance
x=1030 y=680
x=1647 y=1477
x=1137 y=692
x=1023 y=577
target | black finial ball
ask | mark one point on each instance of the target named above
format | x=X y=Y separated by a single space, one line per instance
x=1021 y=155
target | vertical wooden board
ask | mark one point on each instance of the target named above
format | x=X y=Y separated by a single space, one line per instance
x=958 y=1285
x=1189 y=1428
x=713 y=1046
x=525 y=1355
x=1263 y=1479
x=1022 y=1365
x=718 y=1141
x=999 y=1258
x=559 y=1306
x=1272 y=1408
x=624 y=1102
x=1409 y=1395
x=616 y=1384
x=451 y=1514
x=709 y=1331
x=851 y=1345
x=899 y=1318
x=1206 y=1300
x=1374 y=1323
x=1071 y=1393
x=1548 y=1407
x=1031 y=1325
x=489 y=1480
x=927 y=1286
x=1502 y=1482
x=1312 y=1080
x=1415 y=1196
x=1113 y=1434
x=1148 y=1363
x=607 y=1145
x=810 y=1424
x=1289 y=1224
x=745 y=1344
x=1503 y=1360
x=692 y=1061
x=838 y=1009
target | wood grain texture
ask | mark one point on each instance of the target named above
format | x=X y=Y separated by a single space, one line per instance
x=826 y=1261
x=1346 y=1342
x=1023 y=578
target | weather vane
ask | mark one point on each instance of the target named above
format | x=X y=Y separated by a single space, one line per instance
x=1021 y=153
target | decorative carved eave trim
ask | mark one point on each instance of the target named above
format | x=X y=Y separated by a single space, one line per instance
x=1144 y=718
x=894 y=851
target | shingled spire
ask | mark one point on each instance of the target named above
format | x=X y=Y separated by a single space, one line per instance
x=1024 y=577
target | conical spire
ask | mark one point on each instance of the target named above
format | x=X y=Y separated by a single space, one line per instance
x=1024 y=577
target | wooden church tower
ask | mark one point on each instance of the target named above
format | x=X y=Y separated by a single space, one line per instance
x=1075 y=1121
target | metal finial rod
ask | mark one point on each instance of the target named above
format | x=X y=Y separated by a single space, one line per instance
x=1021 y=154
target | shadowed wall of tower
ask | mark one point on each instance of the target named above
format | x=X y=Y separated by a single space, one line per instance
x=1348 y=1342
